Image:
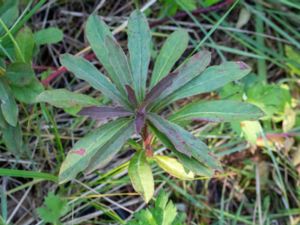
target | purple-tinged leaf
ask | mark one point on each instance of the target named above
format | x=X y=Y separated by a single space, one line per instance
x=140 y=120
x=160 y=87
x=184 y=141
x=104 y=112
x=131 y=95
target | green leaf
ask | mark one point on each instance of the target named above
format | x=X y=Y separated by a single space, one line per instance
x=106 y=153
x=271 y=98
x=27 y=174
x=97 y=31
x=19 y=74
x=211 y=79
x=141 y=176
x=8 y=104
x=9 y=13
x=139 y=47
x=12 y=138
x=187 y=4
x=191 y=69
x=185 y=142
x=27 y=93
x=171 y=51
x=218 y=111
x=25 y=42
x=54 y=208
x=63 y=98
x=118 y=58
x=49 y=35
x=173 y=167
x=86 y=71
x=79 y=157
x=194 y=165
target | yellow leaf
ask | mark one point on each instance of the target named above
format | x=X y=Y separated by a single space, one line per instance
x=251 y=130
x=289 y=118
x=173 y=167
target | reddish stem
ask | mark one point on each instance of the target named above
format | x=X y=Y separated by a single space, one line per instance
x=61 y=70
x=147 y=141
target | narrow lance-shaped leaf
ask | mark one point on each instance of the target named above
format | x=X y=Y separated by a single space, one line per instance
x=218 y=111
x=171 y=51
x=173 y=167
x=8 y=104
x=118 y=58
x=189 y=163
x=63 y=98
x=140 y=120
x=106 y=153
x=131 y=95
x=185 y=142
x=139 y=42
x=104 y=112
x=80 y=156
x=211 y=79
x=191 y=69
x=86 y=71
x=194 y=165
x=141 y=176
x=96 y=31
x=159 y=88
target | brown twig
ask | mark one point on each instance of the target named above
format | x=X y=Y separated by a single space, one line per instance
x=178 y=15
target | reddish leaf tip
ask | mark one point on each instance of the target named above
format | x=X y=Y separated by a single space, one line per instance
x=243 y=66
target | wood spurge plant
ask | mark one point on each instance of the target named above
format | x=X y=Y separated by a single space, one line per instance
x=138 y=98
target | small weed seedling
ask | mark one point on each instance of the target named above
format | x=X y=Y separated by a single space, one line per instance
x=163 y=212
x=138 y=105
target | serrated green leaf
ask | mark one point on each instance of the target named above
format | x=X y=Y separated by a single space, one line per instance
x=141 y=176
x=54 y=208
x=185 y=142
x=63 y=98
x=118 y=58
x=173 y=167
x=26 y=43
x=106 y=153
x=8 y=104
x=171 y=51
x=49 y=35
x=211 y=79
x=191 y=69
x=27 y=93
x=86 y=71
x=218 y=111
x=139 y=47
x=96 y=31
x=79 y=157
x=19 y=74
